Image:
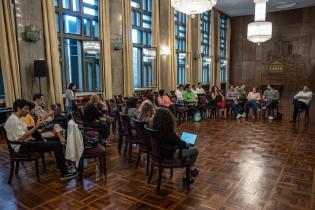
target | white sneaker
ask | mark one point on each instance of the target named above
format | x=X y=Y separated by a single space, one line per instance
x=244 y=115
x=238 y=116
x=270 y=117
x=264 y=108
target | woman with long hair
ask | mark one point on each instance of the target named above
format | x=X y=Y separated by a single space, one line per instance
x=171 y=145
x=147 y=113
x=218 y=99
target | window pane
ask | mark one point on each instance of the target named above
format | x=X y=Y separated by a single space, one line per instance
x=136 y=36
x=66 y=4
x=57 y=22
x=87 y=27
x=56 y=3
x=98 y=77
x=146 y=25
x=135 y=4
x=91 y=2
x=71 y=24
x=95 y=29
x=73 y=60
x=76 y=5
x=137 y=67
x=90 y=11
x=89 y=77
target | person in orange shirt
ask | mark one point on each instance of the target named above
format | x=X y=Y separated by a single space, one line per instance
x=165 y=101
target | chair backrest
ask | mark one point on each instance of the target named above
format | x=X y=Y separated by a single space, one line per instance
x=126 y=128
x=143 y=135
x=11 y=151
x=57 y=109
x=154 y=143
x=173 y=99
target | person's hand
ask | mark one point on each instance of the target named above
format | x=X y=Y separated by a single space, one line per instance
x=40 y=123
x=51 y=112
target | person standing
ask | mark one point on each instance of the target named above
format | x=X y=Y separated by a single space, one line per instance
x=302 y=101
x=70 y=97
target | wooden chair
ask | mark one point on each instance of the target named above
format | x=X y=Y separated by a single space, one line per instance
x=306 y=114
x=129 y=135
x=156 y=160
x=181 y=111
x=274 y=108
x=17 y=157
x=144 y=146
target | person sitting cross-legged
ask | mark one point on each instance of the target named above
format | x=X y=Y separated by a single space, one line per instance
x=17 y=130
x=242 y=99
x=301 y=101
x=253 y=98
x=270 y=98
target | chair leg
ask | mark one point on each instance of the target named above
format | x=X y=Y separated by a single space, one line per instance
x=125 y=152
x=37 y=170
x=120 y=139
x=151 y=173
x=80 y=169
x=148 y=164
x=17 y=167
x=158 y=187
x=104 y=167
x=43 y=161
x=129 y=154
x=138 y=159
x=171 y=170
x=188 y=178
x=11 y=172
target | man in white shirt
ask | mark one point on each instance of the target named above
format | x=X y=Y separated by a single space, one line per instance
x=17 y=130
x=179 y=92
x=301 y=101
x=194 y=90
x=199 y=89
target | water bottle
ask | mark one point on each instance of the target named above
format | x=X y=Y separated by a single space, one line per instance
x=97 y=174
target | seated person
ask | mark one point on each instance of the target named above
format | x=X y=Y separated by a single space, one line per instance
x=199 y=89
x=217 y=99
x=188 y=94
x=165 y=101
x=242 y=99
x=147 y=114
x=231 y=99
x=301 y=101
x=17 y=130
x=253 y=98
x=270 y=98
x=148 y=99
x=41 y=114
x=194 y=90
x=179 y=92
x=171 y=145
x=131 y=109
x=92 y=113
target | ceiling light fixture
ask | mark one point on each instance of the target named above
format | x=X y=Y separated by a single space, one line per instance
x=260 y=30
x=193 y=7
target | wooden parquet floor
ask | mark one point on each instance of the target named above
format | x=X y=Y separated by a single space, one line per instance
x=244 y=164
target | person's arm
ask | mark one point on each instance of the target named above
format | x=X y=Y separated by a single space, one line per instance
x=70 y=95
x=264 y=95
x=27 y=134
x=259 y=97
x=277 y=95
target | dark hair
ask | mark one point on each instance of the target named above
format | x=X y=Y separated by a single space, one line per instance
x=271 y=85
x=71 y=85
x=186 y=86
x=180 y=86
x=20 y=103
x=132 y=102
x=212 y=89
x=31 y=105
x=37 y=96
x=163 y=121
x=150 y=97
x=199 y=83
x=161 y=92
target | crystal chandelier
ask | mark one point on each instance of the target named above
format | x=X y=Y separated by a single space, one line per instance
x=193 y=7
x=260 y=30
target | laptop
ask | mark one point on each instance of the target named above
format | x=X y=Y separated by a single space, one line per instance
x=189 y=138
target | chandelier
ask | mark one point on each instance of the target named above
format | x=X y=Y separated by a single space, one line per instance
x=193 y=7
x=260 y=30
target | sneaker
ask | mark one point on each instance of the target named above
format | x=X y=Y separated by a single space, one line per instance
x=68 y=176
x=270 y=117
x=244 y=115
x=264 y=108
x=238 y=116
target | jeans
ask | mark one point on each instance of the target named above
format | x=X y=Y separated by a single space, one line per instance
x=298 y=105
x=241 y=106
x=270 y=105
x=252 y=104
x=54 y=146
x=69 y=109
x=232 y=105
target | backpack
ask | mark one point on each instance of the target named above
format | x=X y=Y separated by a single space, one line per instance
x=278 y=116
x=197 y=117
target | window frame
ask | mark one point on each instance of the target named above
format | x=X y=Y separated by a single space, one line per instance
x=205 y=69
x=81 y=37
x=180 y=22
x=223 y=50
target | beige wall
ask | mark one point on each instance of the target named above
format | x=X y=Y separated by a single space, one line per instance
x=29 y=12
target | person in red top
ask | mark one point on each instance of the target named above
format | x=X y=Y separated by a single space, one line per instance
x=165 y=101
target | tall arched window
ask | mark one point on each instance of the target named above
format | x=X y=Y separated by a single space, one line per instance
x=143 y=53
x=77 y=22
x=180 y=36
x=205 y=46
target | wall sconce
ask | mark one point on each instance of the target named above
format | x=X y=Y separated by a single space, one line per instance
x=32 y=33
x=165 y=50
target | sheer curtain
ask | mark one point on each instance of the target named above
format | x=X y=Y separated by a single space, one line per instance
x=52 y=55
x=128 y=89
x=9 y=58
x=106 y=66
